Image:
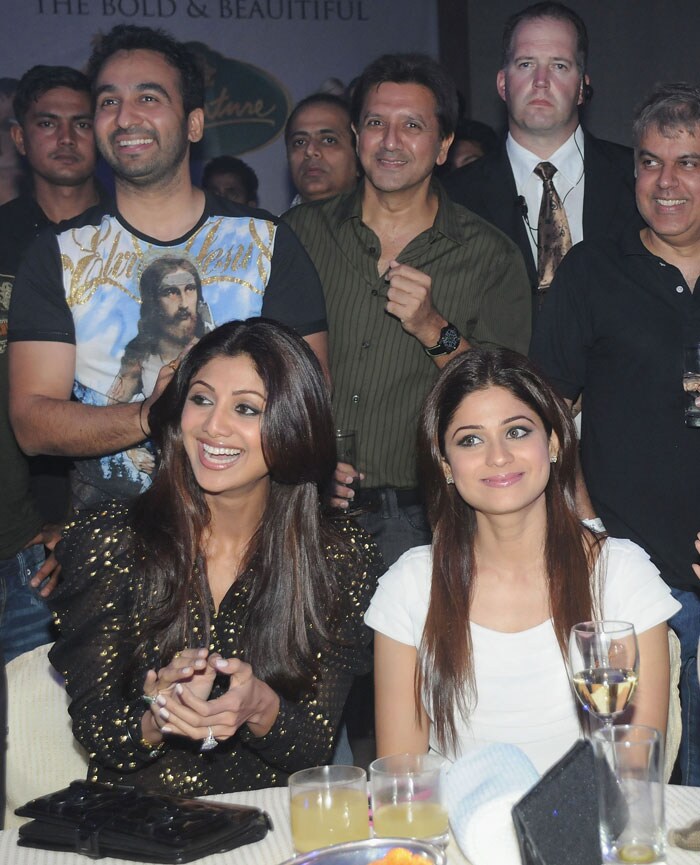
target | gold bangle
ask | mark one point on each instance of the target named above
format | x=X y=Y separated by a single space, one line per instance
x=143 y=744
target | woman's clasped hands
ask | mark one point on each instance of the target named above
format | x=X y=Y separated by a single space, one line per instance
x=178 y=699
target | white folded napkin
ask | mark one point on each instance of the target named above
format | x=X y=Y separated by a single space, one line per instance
x=480 y=790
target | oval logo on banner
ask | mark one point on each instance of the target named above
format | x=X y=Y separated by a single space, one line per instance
x=245 y=106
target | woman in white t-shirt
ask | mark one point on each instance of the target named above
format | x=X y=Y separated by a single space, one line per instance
x=471 y=633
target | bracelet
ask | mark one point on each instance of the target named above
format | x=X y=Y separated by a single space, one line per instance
x=144 y=745
x=143 y=403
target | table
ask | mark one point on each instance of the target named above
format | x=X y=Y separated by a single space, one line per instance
x=682 y=808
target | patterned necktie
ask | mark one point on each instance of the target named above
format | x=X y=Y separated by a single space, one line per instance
x=553 y=235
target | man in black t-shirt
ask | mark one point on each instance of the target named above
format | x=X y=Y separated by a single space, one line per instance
x=53 y=132
x=79 y=305
x=614 y=327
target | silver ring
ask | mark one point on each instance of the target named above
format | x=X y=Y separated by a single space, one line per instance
x=210 y=742
x=148 y=700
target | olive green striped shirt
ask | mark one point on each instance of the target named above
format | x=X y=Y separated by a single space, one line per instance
x=380 y=373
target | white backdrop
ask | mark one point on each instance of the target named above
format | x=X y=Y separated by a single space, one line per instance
x=300 y=43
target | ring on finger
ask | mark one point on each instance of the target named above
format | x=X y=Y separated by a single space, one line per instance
x=148 y=699
x=210 y=742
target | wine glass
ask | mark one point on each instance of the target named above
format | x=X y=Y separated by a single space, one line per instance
x=604 y=666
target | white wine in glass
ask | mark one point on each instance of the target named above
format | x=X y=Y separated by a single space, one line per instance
x=604 y=666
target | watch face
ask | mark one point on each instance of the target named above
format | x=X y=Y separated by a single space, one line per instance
x=449 y=337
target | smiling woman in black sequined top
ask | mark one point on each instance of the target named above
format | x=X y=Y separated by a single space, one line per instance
x=211 y=630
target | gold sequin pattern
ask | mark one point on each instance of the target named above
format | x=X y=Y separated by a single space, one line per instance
x=101 y=627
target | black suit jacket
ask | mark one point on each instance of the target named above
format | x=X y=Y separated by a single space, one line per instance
x=487 y=187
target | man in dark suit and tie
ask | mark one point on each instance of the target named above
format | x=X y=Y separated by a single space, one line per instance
x=550 y=182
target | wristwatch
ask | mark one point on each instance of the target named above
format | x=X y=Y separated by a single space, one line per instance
x=448 y=342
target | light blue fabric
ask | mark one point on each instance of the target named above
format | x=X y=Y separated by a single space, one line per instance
x=480 y=791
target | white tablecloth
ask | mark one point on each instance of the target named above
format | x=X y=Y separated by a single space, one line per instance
x=682 y=808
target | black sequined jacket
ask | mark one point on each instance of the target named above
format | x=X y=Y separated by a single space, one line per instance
x=94 y=652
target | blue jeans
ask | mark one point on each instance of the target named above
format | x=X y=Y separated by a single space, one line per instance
x=395 y=529
x=686 y=623
x=25 y=620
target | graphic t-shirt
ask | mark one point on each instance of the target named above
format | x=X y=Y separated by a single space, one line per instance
x=130 y=304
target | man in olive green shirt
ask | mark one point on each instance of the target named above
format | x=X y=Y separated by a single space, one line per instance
x=411 y=280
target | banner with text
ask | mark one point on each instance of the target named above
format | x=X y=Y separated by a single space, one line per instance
x=260 y=56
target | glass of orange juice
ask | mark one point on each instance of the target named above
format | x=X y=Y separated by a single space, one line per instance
x=407 y=799
x=328 y=805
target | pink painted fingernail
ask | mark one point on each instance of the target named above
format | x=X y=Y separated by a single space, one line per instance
x=220 y=663
x=164 y=714
x=178 y=689
x=165 y=730
x=186 y=671
x=160 y=699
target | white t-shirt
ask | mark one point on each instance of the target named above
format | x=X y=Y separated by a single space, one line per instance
x=523 y=691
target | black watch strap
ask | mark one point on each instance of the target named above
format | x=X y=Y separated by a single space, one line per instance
x=448 y=342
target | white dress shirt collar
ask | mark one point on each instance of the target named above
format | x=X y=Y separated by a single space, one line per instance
x=568 y=181
x=568 y=159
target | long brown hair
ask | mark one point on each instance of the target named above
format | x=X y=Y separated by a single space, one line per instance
x=292 y=584
x=446 y=669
